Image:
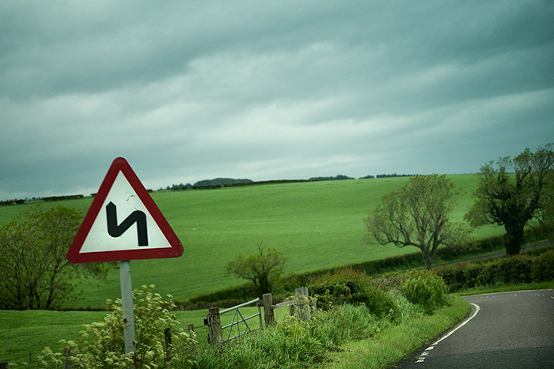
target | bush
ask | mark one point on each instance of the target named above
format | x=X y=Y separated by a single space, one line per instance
x=535 y=266
x=540 y=232
x=101 y=344
x=427 y=290
x=406 y=310
x=514 y=270
x=542 y=269
x=348 y=286
x=346 y=323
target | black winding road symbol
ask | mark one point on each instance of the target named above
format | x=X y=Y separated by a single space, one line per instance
x=136 y=216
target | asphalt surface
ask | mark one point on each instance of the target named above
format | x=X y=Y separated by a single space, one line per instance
x=504 y=330
x=499 y=254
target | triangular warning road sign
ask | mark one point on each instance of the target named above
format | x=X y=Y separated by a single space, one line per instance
x=123 y=223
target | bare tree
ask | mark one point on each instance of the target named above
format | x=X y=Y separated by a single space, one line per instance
x=418 y=214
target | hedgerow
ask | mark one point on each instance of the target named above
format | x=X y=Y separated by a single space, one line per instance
x=523 y=268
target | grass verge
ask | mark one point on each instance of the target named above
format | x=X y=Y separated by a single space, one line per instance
x=396 y=342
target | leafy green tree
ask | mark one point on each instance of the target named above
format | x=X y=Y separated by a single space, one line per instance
x=418 y=214
x=263 y=269
x=34 y=270
x=512 y=192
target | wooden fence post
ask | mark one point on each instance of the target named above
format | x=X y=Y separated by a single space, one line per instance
x=303 y=307
x=269 y=317
x=214 y=326
x=168 y=340
x=67 y=355
x=4 y=365
x=192 y=334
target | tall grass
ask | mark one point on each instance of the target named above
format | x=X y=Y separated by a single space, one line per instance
x=295 y=343
x=394 y=343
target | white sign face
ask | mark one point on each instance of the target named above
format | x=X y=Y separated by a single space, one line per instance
x=127 y=227
x=123 y=223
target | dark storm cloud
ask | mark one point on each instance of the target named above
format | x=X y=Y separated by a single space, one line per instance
x=189 y=90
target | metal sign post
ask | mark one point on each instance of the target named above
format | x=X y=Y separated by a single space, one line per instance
x=127 y=307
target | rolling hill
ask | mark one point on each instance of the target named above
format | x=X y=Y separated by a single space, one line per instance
x=316 y=224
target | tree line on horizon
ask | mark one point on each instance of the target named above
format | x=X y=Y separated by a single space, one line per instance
x=228 y=182
x=209 y=184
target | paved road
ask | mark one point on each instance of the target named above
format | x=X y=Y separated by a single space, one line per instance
x=504 y=330
x=499 y=254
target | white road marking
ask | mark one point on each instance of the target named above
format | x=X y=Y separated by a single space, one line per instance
x=421 y=358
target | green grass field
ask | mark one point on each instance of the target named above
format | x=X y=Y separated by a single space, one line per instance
x=24 y=334
x=316 y=224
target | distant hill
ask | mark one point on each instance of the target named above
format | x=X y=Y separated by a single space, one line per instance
x=220 y=181
x=338 y=177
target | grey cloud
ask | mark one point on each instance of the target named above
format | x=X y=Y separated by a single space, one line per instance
x=192 y=90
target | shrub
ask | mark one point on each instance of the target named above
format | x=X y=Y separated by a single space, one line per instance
x=101 y=344
x=345 y=323
x=488 y=244
x=535 y=266
x=542 y=269
x=516 y=269
x=485 y=274
x=347 y=286
x=405 y=309
x=540 y=232
x=427 y=290
x=392 y=281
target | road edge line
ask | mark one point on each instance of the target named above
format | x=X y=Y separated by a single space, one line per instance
x=421 y=358
x=477 y=309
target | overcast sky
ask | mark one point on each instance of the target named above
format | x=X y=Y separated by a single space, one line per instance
x=192 y=90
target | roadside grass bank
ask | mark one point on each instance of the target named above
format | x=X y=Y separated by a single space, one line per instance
x=396 y=342
x=23 y=334
x=351 y=307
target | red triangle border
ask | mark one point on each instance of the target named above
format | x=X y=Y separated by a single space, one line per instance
x=121 y=165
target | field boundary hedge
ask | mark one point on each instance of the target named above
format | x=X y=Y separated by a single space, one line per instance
x=534 y=266
x=229 y=297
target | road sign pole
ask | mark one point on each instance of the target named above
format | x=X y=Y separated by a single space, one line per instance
x=127 y=306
